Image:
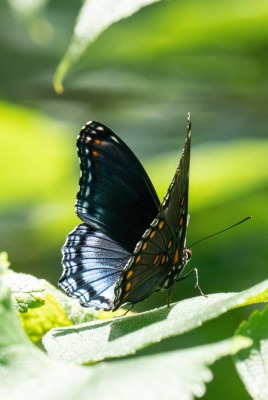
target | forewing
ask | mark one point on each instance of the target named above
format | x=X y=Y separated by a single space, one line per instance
x=158 y=257
x=115 y=193
x=174 y=207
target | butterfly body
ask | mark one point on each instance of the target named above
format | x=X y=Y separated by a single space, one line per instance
x=130 y=245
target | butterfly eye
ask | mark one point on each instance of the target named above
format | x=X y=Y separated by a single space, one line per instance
x=187 y=254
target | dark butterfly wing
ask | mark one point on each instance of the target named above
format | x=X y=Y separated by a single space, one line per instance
x=117 y=202
x=160 y=255
x=115 y=193
x=92 y=263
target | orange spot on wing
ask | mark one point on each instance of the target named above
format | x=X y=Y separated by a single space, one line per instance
x=129 y=274
x=144 y=245
x=181 y=221
x=137 y=259
x=152 y=234
x=163 y=259
x=161 y=224
x=95 y=154
x=97 y=142
x=156 y=260
x=169 y=244
x=175 y=257
x=128 y=286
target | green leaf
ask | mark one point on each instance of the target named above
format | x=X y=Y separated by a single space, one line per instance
x=27 y=291
x=36 y=303
x=34 y=299
x=42 y=306
x=252 y=363
x=24 y=369
x=89 y=342
x=9 y=323
x=95 y=16
x=75 y=312
x=180 y=374
x=38 y=321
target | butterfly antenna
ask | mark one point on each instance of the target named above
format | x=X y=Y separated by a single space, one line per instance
x=223 y=230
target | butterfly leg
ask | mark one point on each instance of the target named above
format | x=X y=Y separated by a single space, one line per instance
x=194 y=270
x=125 y=313
x=169 y=296
x=130 y=308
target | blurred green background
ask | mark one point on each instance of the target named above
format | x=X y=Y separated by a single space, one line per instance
x=140 y=78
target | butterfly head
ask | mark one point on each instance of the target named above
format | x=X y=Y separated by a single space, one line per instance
x=187 y=255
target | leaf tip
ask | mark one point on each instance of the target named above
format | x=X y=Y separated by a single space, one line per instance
x=59 y=76
x=240 y=342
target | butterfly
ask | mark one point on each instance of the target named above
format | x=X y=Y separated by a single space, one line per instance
x=129 y=244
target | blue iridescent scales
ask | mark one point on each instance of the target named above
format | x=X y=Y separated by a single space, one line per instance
x=129 y=244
